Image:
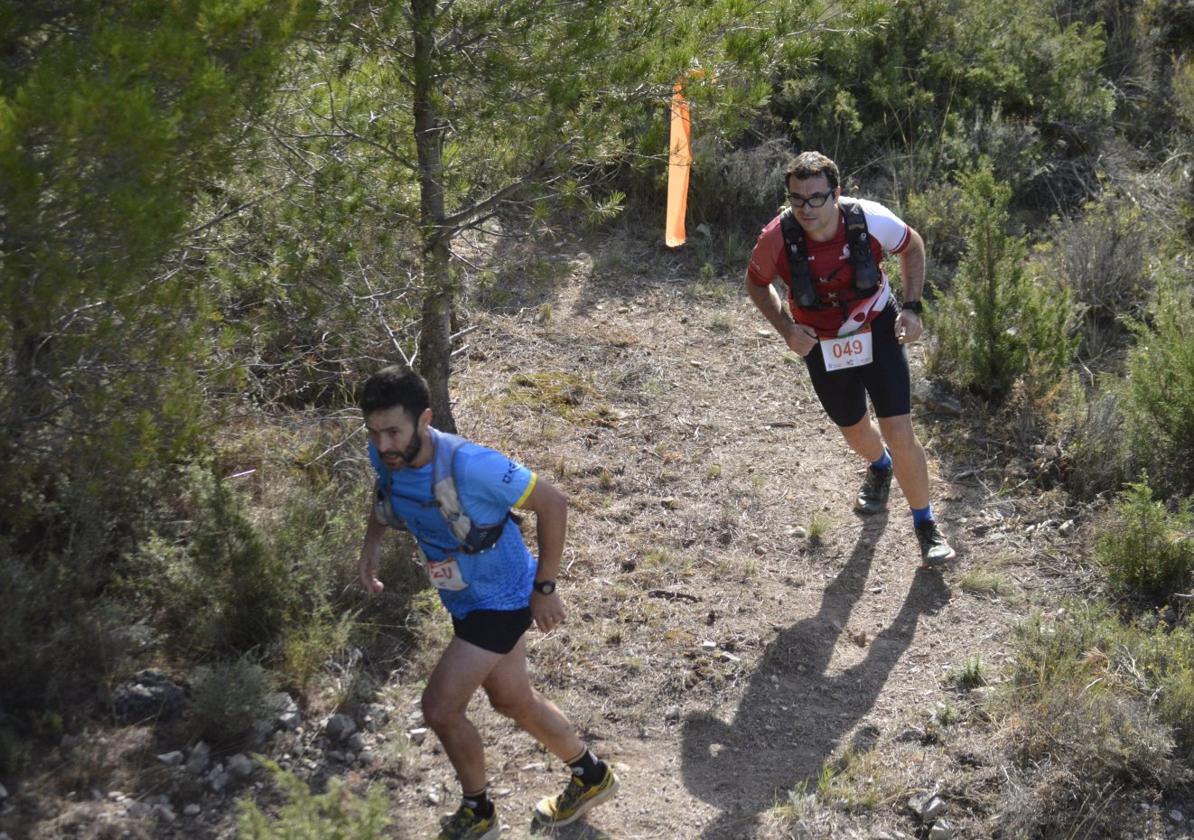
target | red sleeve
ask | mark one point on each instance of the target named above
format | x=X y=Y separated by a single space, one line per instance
x=767 y=260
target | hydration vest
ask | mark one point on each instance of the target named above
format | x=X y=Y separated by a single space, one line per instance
x=472 y=537
x=866 y=273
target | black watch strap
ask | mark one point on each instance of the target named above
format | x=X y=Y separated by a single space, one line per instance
x=545 y=587
x=915 y=305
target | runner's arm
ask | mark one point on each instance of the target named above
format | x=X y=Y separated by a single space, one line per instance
x=551 y=526
x=799 y=337
x=912 y=278
x=370 y=560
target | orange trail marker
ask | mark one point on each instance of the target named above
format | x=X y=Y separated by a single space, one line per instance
x=679 y=165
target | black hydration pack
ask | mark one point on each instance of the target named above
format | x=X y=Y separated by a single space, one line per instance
x=866 y=273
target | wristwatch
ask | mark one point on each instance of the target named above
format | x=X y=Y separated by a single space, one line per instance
x=545 y=587
x=915 y=305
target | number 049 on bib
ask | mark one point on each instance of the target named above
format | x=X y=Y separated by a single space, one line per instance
x=847 y=351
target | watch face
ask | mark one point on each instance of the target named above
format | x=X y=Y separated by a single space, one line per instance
x=546 y=587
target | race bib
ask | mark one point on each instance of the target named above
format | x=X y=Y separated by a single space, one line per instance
x=848 y=351
x=445 y=575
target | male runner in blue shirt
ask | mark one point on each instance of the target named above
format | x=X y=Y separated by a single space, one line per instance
x=489 y=582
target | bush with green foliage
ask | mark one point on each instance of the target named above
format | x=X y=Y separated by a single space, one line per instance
x=1091 y=430
x=228 y=699
x=334 y=815
x=113 y=118
x=1092 y=705
x=1147 y=552
x=1160 y=385
x=998 y=324
x=1100 y=255
x=942 y=82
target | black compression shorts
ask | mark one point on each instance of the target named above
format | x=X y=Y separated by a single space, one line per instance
x=497 y=631
x=843 y=392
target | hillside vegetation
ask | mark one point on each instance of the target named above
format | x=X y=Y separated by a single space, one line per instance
x=217 y=219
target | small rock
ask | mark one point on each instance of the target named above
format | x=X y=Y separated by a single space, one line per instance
x=708 y=644
x=366 y=757
x=116 y=795
x=535 y=766
x=340 y=727
x=217 y=779
x=139 y=810
x=941 y=830
x=374 y=716
x=172 y=759
x=357 y=742
x=290 y=721
x=927 y=806
x=200 y=754
x=799 y=532
x=165 y=813
x=1066 y=528
x=336 y=755
x=148 y=696
x=1175 y=815
x=192 y=810
x=240 y=766
x=433 y=797
x=418 y=735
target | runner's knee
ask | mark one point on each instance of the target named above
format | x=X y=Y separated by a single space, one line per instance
x=437 y=713
x=514 y=705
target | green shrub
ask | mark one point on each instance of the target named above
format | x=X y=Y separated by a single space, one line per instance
x=228 y=699
x=1092 y=432
x=1160 y=392
x=998 y=324
x=211 y=580
x=1100 y=256
x=334 y=815
x=1147 y=552
x=1077 y=712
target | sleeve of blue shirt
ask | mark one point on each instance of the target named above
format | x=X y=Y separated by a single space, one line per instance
x=491 y=483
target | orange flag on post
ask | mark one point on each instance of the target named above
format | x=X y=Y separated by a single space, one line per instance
x=679 y=165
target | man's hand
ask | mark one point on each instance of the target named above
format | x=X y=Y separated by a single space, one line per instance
x=908 y=327
x=370 y=563
x=801 y=339
x=547 y=610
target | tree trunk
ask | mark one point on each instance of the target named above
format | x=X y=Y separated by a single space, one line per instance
x=435 y=346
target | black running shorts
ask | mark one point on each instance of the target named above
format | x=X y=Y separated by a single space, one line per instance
x=497 y=631
x=843 y=392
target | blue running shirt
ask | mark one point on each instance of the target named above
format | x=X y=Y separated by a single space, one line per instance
x=489 y=485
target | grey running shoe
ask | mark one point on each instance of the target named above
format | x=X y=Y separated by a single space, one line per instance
x=934 y=550
x=872 y=496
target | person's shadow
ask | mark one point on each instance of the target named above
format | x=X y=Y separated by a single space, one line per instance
x=793 y=715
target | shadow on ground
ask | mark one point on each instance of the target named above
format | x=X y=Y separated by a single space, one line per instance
x=793 y=714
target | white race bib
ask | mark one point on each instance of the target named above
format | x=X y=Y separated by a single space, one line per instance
x=445 y=574
x=847 y=351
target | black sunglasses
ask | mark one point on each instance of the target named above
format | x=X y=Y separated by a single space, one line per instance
x=814 y=200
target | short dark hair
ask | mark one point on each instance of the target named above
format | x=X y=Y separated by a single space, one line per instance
x=809 y=165
x=396 y=385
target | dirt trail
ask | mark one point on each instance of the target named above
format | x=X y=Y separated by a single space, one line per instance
x=717 y=655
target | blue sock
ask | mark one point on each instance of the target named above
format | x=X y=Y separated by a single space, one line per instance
x=884 y=463
x=922 y=515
